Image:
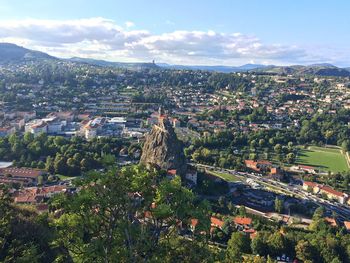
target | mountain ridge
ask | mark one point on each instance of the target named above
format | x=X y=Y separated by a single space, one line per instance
x=12 y=53
x=321 y=69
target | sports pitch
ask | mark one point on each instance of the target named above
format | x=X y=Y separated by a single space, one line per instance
x=324 y=159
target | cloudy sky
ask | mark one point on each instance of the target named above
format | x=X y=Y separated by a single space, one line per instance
x=197 y=32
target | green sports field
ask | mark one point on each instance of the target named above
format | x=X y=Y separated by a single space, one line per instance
x=324 y=159
x=225 y=176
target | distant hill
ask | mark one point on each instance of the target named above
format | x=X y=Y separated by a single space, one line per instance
x=13 y=53
x=224 y=69
x=323 y=69
x=104 y=63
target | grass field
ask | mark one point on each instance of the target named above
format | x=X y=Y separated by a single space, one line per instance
x=325 y=159
x=225 y=176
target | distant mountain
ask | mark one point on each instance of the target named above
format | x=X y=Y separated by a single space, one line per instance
x=13 y=53
x=323 y=69
x=104 y=63
x=224 y=69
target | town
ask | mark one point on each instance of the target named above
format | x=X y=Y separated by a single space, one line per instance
x=263 y=148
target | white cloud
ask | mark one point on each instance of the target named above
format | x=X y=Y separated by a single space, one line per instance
x=103 y=38
x=129 y=24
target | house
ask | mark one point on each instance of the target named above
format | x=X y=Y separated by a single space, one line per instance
x=18 y=123
x=8 y=130
x=308 y=169
x=67 y=116
x=331 y=193
x=307 y=186
x=244 y=222
x=347 y=225
x=36 y=127
x=275 y=171
x=20 y=175
x=258 y=165
x=324 y=189
x=251 y=232
x=216 y=222
x=171 y=174
x=331 y=221
x=28 y=199
x=90 y=132
x=193 y=224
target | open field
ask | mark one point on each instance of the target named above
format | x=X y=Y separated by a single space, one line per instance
x=325 y=159
x=225 y=176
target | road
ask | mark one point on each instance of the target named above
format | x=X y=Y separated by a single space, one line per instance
x=343 y=211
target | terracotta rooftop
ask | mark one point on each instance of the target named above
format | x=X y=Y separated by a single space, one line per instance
x=331 y=221
x=21 y=172
x=311 y=184
x=242 y=220
x=347 y=225
x=216 y=222
x=194 y=222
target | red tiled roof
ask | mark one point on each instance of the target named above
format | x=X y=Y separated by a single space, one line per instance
x=21 y=172
x=306 y=167
x=194 y=222
x=216 y=222
x=28 y=199
x=264 y=162
x=347 y=225
x=331 y=191
x=250 y=162
x=274 y=170
x=242 y=220
x=171 y=172
x=311 y=184
x=331 y=221
x=148 y=214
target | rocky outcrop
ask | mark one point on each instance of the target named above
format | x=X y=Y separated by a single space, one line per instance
x=163 y=150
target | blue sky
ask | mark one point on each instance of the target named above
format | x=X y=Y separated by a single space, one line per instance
x=184 y=32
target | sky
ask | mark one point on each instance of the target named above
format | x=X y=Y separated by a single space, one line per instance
x=187 y=32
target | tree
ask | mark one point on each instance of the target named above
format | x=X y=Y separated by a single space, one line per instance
x=290 y=158
x=242 y=210
x=304 y=251
x=278 y=205
x=261 y=142
x=328 y=134
x=24 y=235
x=259 y=245
x=99 y=223
x=28 y=138
x=49 y=165
x=60 y=165
x=6 y=216
x=345 y=145
x=85 y=164
x=238 y=244
x=277 y=148
x=276 y=243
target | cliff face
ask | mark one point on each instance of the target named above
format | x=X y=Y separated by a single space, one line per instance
x=162 y=149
